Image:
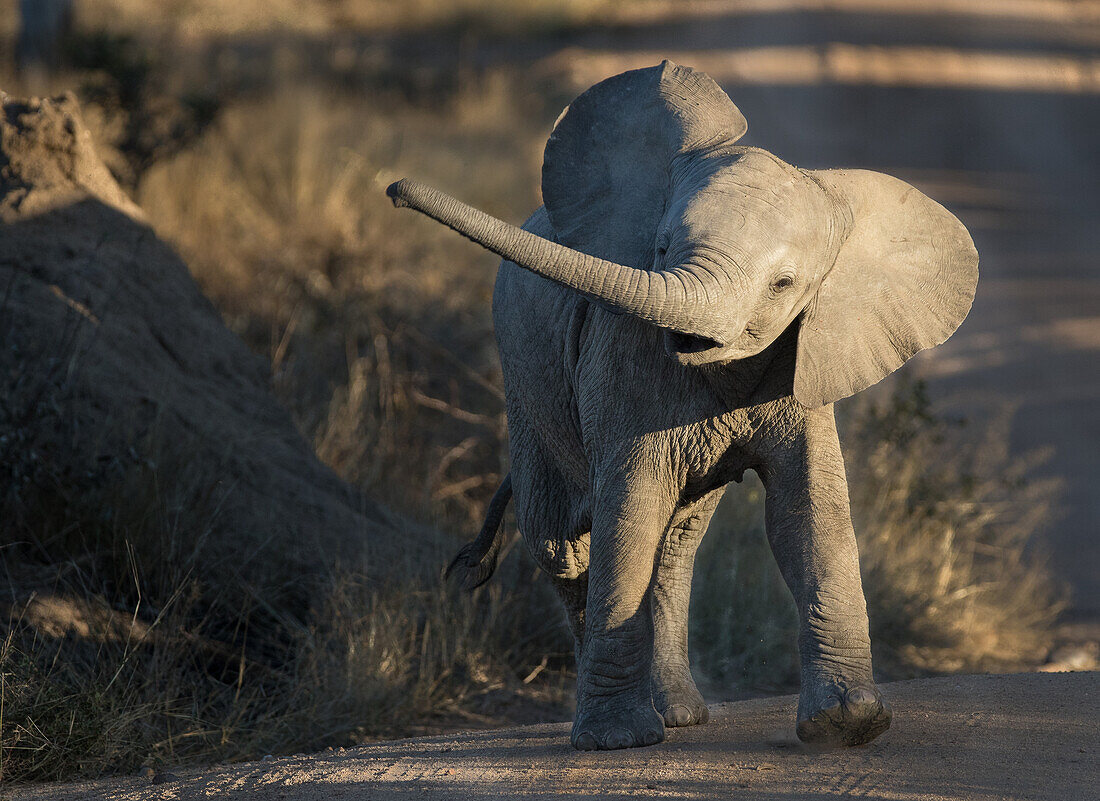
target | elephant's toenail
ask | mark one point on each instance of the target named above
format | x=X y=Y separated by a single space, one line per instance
x=585 y=741
x=861 y=695
x=678 y=715
x=618 y=739
x=652 y=737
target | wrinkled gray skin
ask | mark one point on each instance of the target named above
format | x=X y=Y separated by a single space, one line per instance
x=681 y=310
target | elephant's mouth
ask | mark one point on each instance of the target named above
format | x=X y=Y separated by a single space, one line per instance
x=691 y=349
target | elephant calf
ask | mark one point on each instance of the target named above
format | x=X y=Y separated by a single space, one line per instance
x=680 y=310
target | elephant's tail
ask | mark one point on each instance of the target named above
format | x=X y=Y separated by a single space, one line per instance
x=478 y=559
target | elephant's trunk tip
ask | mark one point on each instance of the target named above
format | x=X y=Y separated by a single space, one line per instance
x=397 y=192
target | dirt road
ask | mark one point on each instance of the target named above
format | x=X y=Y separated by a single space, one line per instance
x=1026 y=736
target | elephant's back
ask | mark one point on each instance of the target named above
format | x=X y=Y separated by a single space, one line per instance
x=536 y=324
x=530 y=313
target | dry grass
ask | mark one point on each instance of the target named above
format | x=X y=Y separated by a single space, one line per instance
x=208 y=18
x=104 y=693
x=122 y=646
x=377 y=326
x=944 y=519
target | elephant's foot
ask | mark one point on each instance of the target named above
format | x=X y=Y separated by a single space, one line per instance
x=842 y=715
x=610 y=726
x=679 y=702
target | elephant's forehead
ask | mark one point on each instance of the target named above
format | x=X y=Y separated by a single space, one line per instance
x=751 y=195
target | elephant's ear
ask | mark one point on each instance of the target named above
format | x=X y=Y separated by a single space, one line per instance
x=607 y=169
x=903 y=281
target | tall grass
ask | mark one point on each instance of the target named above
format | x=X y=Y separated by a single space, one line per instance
x=945 y=517
x=377 y=324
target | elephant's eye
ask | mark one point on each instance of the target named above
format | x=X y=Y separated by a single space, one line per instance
x=782 y=282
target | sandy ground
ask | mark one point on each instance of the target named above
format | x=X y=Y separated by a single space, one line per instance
x=1025 y=736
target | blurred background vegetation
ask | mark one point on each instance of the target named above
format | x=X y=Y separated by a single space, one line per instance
x=259 y=138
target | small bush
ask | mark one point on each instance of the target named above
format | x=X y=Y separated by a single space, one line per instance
x=945 y=518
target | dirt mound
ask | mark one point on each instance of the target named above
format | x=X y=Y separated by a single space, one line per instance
x=1024 y=736
x=118 y=380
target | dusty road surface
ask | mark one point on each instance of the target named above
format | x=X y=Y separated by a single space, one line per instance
x=1024 y=736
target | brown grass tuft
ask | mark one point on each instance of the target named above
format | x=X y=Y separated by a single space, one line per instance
x=945 y=518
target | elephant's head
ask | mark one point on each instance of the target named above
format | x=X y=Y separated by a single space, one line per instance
x=658 y=214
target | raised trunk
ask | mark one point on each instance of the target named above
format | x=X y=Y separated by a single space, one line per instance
x=673 y=299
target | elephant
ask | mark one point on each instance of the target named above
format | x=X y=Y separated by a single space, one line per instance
x=682 y=309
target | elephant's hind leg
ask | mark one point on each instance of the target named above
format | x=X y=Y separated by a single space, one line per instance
x=574 y=596
x=674 y=692
x=551 y=512
x=552 y=520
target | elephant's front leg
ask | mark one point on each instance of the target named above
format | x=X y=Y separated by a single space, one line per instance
x=614 y=700
x=674 y=692
x=810 y=530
